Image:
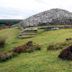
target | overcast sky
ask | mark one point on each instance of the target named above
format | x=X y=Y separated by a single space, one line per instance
x=21 y=9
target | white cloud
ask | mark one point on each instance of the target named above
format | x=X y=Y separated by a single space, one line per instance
x=26 y=8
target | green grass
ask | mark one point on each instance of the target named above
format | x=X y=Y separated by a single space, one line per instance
x=39 y=61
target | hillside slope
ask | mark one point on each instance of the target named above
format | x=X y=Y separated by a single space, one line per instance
x=39 y=61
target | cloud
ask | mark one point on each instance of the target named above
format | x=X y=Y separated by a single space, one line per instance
x=26 y=8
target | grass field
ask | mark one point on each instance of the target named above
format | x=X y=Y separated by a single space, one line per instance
x=39 y=61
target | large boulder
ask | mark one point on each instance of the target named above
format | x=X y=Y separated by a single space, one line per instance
x=66 y=54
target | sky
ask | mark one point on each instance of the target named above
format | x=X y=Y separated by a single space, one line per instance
x=22 y=9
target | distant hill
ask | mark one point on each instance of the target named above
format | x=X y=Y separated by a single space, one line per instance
x=53 y=16
x=9 y=21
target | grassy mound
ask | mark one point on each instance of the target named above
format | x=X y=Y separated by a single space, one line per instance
x=59 y=45
x=28 y=47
